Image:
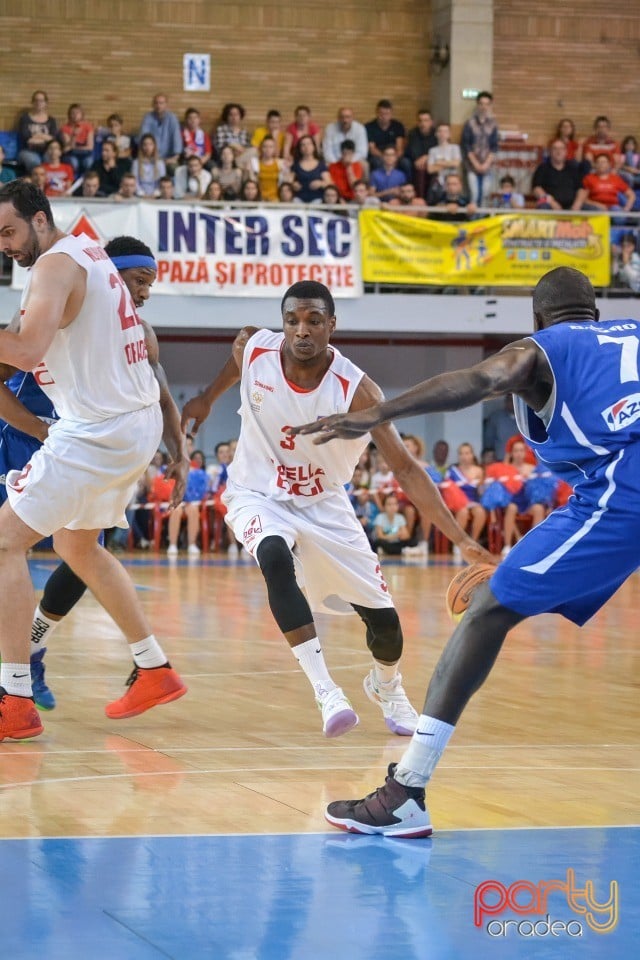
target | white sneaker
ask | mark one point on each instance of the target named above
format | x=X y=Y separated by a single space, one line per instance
x=172 y=550
x=338 y=716
x=421 y=550
x=399 y=715
x=193 y=550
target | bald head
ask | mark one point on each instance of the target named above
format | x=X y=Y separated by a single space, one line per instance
x=563 y=294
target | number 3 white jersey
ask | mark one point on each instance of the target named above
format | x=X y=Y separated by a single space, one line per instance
x=267 y=460
x=97 y=367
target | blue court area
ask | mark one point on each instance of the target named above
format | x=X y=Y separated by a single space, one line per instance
x=319 y=896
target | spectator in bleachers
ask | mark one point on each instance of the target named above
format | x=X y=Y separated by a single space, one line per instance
x=166 y=189
x=164 y=127
x=507 y=196
x=195 y=492
x=195 y=141
x=228 y=173
x=191 y=179
x=128 y=189
x=272 y=128
x=407 y=198
x=36 y=130
x=468 y=476
x=479 y=145
x=310 y=175
x=148 y=167
x=286 y=193
x=566 y=133
x=6 y=173
x=526 y=500
x=626 y=263
x=59 y=176
x=362 y=197
x=444 y=157
x=38 y=177
x=630 y=169
x=365 y=510
x=455 y=204
x=269 y=169
x=421 y=139
x=331 y=196
x=213 y=192
x=440 y=456
x=302 y=126
x=382 y=481
x=390 y=532
x=601 y=142
x=335 y=134
x=556 y=180
x=250 y=192
x=77 y=136
x=384 y=131
x=603 y=189
x=110 y=168
x=89 y=186
x=114 y=131
x=387 y=179
x=347 y=170
x=231 y=133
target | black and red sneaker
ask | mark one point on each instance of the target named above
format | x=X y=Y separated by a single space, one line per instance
x=392 y=810
x=19 y=719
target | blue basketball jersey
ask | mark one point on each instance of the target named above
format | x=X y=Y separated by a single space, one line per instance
x=25 y=388
x=594 y=408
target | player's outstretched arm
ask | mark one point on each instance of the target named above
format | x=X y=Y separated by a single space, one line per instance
x=17 y=415
x=510 y=371
x=414 y=480
x=172 y=435
x=198 y=408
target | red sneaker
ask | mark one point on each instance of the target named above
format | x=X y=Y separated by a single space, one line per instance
x=147 y=688
x=19 y=718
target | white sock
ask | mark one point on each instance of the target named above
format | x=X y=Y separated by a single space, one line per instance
x=148 y=653
x=385 y=672
x=426 y=747
x=41 y=628
x=310 y=657
x=16 y=679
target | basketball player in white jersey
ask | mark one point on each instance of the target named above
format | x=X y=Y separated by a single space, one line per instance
x=284 y=492
x=81 y=336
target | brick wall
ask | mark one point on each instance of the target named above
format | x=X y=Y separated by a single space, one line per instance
x=113 y=55
x=569 y=59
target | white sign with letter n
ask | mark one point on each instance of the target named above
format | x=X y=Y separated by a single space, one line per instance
x=196 y=72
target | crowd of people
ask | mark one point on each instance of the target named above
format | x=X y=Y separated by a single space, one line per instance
x=375 y=163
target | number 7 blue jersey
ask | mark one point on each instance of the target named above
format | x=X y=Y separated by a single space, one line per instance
x=594 y=409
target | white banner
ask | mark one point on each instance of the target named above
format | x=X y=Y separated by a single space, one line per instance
x=243 y=252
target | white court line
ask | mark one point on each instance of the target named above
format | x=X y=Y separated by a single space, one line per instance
x=241 y=771
x=348 y=839
x=110 y=678
x=345 y=747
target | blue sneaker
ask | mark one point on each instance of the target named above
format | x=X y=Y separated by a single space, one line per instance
x=43 y=697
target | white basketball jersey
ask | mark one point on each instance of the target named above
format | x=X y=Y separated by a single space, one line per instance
x=267 y=460
x=97 y=367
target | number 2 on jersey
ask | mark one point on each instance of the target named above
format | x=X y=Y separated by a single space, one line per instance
x=127 y=320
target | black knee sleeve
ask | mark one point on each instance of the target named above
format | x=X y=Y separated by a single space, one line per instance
x=384 y=633
x=62 y=591
x=286 y=600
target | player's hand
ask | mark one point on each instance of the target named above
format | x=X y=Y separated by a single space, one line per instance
x=472 y=552
x=343 y=426
x=196 y=409
x=177 y=470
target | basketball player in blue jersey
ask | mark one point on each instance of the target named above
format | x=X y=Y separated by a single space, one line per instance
x=576 y=386
x=26 y=413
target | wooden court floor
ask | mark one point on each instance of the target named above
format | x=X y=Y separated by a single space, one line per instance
x=220 y=796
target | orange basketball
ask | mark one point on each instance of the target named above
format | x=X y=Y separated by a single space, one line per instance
x=461 y=588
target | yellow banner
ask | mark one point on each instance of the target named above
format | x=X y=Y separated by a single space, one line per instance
x=512 y=250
